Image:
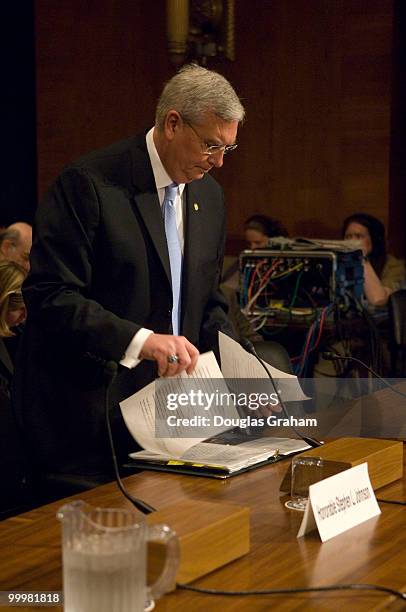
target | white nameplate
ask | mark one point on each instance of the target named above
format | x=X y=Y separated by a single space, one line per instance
x=339 y=503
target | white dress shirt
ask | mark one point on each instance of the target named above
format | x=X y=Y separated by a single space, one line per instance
x=162 y=180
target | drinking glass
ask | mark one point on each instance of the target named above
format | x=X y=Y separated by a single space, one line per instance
x=305 y=472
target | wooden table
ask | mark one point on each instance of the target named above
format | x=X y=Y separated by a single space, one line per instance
x=374 y=552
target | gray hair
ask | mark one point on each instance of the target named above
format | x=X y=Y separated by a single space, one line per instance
x=194 y=91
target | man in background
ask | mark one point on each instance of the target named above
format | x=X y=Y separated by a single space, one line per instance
x=125 y=266
x=15 y=244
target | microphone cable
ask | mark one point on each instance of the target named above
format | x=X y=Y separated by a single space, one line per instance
x=249 y=347
x=330 y=356
x=375 y=341
x=333 y=587
x=109 y=374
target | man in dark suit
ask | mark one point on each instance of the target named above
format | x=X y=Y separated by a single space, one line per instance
x=100 y=286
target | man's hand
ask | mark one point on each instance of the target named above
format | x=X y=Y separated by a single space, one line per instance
x=269 y=410
x=263 y=411
x=162 y=347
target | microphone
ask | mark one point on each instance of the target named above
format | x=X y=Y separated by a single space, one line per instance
x=250 y=348
x=330 y=356
x=109 y=374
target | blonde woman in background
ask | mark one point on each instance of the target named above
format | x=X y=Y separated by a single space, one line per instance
x=16 y=492
x=12 y=308
x=12 y=313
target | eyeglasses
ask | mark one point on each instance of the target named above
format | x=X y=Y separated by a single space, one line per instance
x=212 y=149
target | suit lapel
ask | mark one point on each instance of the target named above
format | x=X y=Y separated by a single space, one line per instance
x=146 y=201
x=193 y=245
x=150 y=211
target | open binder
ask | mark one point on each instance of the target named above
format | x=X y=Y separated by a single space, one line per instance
x=227 y=454
x=196 y=469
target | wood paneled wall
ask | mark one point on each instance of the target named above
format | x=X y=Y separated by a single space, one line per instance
x=315 y=77
x=100 y=68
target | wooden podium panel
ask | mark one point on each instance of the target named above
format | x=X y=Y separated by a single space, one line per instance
x=210 y=536
x=384 y=458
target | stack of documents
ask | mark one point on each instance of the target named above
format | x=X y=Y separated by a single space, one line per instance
x=214 y=448
x=220 y=460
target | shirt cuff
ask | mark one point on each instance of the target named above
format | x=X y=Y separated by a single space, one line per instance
x=131 y=355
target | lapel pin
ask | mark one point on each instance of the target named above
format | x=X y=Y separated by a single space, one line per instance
x=196 y=206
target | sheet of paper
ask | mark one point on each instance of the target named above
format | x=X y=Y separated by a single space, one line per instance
x=141 y=410
x=285 y=446
x=231 y=456
x=236 y=363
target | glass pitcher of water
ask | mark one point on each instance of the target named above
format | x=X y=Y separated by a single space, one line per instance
x=104 y=559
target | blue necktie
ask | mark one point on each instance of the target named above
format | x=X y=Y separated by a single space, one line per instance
x=175 y=251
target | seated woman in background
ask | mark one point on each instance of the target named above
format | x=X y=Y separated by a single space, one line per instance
x=257 y=231
x=16 y=492
x=12 y=313
x=259 y=228
x=383 y=273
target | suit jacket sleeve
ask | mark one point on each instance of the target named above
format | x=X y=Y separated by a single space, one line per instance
x=215 y=317
x=63 y=259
